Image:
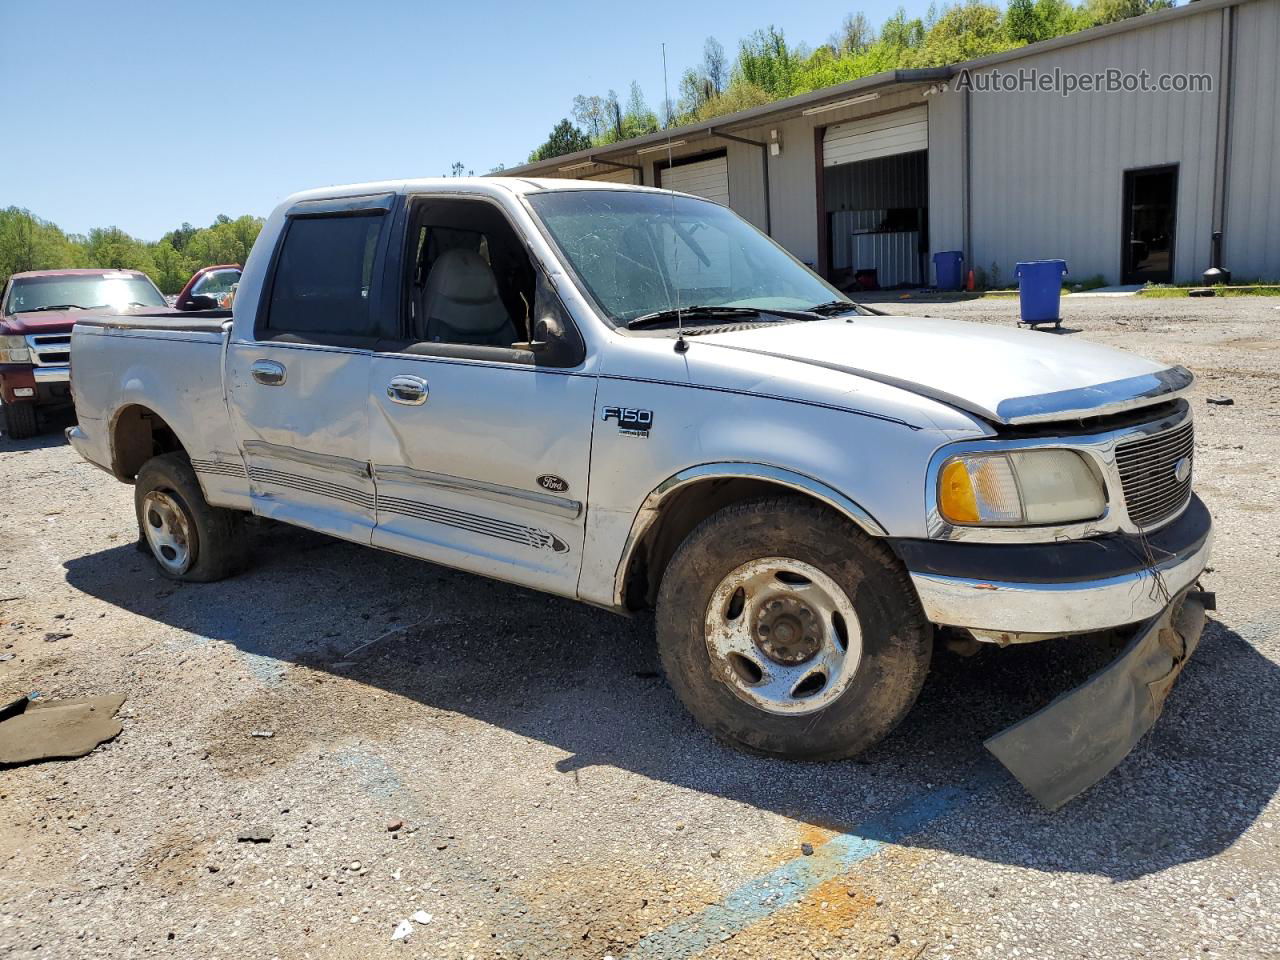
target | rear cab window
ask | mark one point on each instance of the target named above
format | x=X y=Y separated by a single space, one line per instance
x=325 y=285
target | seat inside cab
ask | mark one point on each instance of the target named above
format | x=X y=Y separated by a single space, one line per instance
x=471 y=280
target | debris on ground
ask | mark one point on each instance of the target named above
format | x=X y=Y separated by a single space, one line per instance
x=255 y=833
x=403 y=929
x=395 y=825
x=806 y=849
x=262 y=733
x=58 y=729
x=422 y=917
x=1221 y=401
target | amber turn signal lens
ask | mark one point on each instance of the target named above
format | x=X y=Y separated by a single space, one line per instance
x=956 y=499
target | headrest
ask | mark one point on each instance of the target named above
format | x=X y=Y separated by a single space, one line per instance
x=462 y=276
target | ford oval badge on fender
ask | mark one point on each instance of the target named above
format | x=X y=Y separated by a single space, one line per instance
x=549 y=481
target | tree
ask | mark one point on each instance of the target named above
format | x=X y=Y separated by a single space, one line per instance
x=179 y=238
x=696 y=89
x=738 y=96
x=853 y=37
x=589 y=111
x=901 y=33
x=974 y=29
x=225 y=241
x=565 y=138
x=765 y=61
x=714 y=66
x=172 y=268
x=1110 y=11
x=113 y=248
x=29 y=243
x=638 y=119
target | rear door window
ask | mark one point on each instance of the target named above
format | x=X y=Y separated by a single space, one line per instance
x=323 y=283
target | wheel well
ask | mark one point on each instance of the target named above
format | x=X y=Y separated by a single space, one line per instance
x=138 y=435
x=678 y=514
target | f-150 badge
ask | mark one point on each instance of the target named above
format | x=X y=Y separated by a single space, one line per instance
x=631 y=421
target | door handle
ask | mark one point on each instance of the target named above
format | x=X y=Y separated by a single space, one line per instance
x=411 y=391
x=268 y=372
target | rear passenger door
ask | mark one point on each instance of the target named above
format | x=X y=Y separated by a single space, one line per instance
x=299 y=387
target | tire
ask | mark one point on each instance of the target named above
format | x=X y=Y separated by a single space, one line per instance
x=20 y=420
x=845 y=704
x=190 y=540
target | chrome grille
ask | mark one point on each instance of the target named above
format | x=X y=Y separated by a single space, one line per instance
x=50 y=349
x=1148 y=474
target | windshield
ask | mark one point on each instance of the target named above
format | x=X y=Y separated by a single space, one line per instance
x=108 y=290
x=640 y=253
x=216 y=283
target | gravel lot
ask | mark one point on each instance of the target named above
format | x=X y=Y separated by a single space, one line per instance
x=514 y=766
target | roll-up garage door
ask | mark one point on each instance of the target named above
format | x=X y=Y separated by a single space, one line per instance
x=702 y=178
x=903 y=131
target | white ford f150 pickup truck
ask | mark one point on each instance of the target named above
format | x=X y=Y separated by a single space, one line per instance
x=635 y=398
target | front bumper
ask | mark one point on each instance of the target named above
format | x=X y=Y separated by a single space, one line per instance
x=1006 y=592
x=52 y=374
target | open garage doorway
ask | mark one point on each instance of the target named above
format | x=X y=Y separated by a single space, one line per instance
x=875 y=200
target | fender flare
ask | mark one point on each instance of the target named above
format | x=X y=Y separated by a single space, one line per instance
x=650 y=510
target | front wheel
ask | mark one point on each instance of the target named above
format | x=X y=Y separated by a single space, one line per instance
x=20 y=420
x=787 y=631
x=188 y=538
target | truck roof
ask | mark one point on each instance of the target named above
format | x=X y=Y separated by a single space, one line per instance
x=75 y=272
x=472 y=185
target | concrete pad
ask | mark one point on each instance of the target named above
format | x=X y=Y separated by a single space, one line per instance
x=1123 y=290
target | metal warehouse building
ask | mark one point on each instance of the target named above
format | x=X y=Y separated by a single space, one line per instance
x=882 y=172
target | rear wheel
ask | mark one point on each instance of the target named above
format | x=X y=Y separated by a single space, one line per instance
x=20 y=420
x=189 y=539
x=787 y=631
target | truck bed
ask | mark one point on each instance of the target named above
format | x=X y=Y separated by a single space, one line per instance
x=194 y=321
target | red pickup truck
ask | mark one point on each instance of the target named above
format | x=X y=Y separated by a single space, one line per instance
x=37 y=311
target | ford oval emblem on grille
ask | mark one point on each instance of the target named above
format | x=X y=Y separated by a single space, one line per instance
x=1182 y=470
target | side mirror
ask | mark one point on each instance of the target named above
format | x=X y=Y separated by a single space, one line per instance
x=200 y=301
x=545 y=332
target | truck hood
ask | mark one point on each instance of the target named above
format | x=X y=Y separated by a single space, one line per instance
x=61 y=321
x=1006 y=376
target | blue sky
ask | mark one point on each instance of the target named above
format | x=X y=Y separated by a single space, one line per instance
x=145 y=114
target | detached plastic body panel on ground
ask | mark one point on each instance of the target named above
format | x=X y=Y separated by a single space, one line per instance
x=1062 y=750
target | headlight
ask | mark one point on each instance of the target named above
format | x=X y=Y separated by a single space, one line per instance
x=1019 y=487
x=14 y=350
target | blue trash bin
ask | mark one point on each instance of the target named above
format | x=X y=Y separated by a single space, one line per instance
x=1040 y=290
x=948 y=267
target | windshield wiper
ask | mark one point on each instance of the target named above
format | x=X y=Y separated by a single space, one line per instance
x=55 y=306
x=833 y=308
x=690 y=313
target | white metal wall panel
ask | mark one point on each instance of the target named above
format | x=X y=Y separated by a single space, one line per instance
x=746 y=182
x=1048 y=170
x=903 y=131
x=946 y=173
x=1252 y=236
x=703 y=178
